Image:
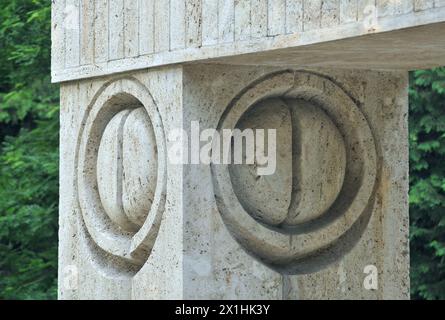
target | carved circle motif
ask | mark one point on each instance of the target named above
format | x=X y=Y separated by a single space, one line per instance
x=318 y=202
x=127 y=168
x=122 y=171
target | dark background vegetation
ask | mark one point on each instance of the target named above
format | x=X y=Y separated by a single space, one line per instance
x=29 y=162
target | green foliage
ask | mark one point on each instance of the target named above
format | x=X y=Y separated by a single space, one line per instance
x=28 y=213
x=28 y=153
x=25 y=44
x=427 y=182
x=29 y=162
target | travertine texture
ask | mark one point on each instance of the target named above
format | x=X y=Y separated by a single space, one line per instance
x=330 y=76
x=99 y=255
x=333 y=250
x=93 y=38
x=340 y=188
x=127 y=168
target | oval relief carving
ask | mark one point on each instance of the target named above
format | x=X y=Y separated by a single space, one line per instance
x=311 y=163
x=127 y=168
x=315 y=206
x=122 y=172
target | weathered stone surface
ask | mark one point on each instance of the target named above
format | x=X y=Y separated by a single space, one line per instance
x=311 y=33
x=340 y=190
x=334 y=214
x=267 y=198
x=215 y=260
x=127 y=168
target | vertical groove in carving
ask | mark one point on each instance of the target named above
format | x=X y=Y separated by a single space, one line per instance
x=267 y=204
x=294 y=16
x=139 y=159
x=116 y=30
x=319 y=157
x=259 y=18
x=193 y=23
x=101 y=31
x=110 y=171
x=72 y=33
x=312 y=15
x=226 y=26
x=177 y=24
x=87 y=32
x=161 y=25
x=146 y=26
x=209 y=22
x=58 y=34
x=131 y=28
x=242 y=20
x=296 y=167
x=276 y=17
x=119 y=166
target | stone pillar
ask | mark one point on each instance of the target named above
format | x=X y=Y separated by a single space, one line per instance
x=330 y=222
x=336 y=205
